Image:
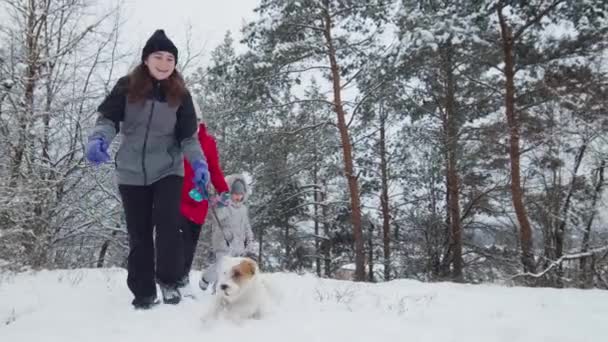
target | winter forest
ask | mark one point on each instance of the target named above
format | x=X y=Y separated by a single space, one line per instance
x=436 y=140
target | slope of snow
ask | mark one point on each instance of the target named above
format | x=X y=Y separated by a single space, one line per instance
x=94 y=305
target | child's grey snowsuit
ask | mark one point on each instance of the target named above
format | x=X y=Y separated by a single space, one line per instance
x=231 y=231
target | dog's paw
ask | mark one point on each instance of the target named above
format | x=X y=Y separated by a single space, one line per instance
x=238 y=321
x=205 y=319
x=208 y=322
x=208 y=317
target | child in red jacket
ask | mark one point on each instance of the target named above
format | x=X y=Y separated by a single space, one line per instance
x=193 y=213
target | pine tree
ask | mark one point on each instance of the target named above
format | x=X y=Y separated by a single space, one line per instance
x=437 y=43
x=517 y=28
x=300 y=36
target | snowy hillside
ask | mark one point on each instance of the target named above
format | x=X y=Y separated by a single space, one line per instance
x=93 y=305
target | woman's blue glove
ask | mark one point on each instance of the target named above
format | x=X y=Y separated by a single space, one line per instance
x=97 y=151
x=201 y=174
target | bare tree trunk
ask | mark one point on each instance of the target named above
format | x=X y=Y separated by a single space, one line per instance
x=49 y=68
x=563 y=217
x=451 y=132
x=525 y=229
x=586 y=273
x=315 y=179
x=353 y=184
x=384 y=200
x=286 y=238
x=446 y=262
x=327 y=245
x=33 y=26
x=548 y=218
x=558 y=225
x=34 y=18
x=316 y=215
x=370 y=254
x=439 y=254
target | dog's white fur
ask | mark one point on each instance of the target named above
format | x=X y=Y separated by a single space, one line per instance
x=239 y=298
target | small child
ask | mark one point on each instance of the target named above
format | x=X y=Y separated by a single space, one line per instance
x=231 y=230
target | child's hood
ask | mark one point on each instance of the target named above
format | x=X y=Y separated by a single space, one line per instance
x=239 y=177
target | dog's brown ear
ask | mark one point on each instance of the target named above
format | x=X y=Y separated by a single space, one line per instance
x=248 y=267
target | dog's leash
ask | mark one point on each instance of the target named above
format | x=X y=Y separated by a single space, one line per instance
x=220 y=225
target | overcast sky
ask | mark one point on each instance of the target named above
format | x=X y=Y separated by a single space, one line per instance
x=210 y=19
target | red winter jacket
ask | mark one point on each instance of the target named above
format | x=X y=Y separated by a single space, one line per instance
x=191 y=209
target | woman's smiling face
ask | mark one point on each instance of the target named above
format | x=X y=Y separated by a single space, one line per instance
x=161 y=64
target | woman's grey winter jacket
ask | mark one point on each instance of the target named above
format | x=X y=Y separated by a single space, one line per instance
x=155 y=135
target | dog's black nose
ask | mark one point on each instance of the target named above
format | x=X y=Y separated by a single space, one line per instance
x=223 y=287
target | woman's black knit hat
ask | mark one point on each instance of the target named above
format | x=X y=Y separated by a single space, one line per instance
x=159 y=42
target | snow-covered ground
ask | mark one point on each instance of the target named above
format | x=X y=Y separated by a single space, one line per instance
x=94 y=305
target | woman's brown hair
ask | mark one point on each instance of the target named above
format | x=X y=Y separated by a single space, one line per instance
x=140 y=86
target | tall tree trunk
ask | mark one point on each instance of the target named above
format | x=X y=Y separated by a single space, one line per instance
x=559 y=224
x=315 y=174
x=451 y=132
x=315 y=179
x=548 y=221
x=525 y=229
x=386 y=218
x=370 y=254
x=565 y=210
x=446 y=229
x=586 y=275
x=50 y=93
x=32 y=33
x=439 y=249
x=328 y=243
x=36 y=248
x=287 y=245
x=353 y=184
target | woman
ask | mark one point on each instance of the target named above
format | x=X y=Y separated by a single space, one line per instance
x=154 y=111
x=193 y=213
